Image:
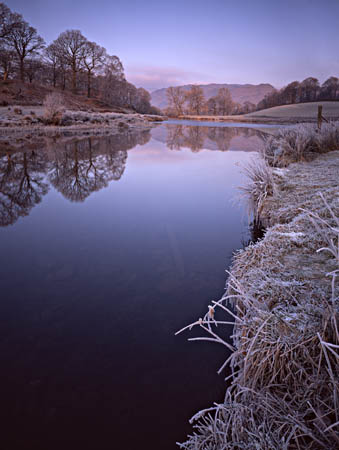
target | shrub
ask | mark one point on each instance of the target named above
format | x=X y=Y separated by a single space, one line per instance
x=299 y=143
x=54 y=108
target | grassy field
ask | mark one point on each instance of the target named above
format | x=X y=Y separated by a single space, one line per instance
x=302 y=112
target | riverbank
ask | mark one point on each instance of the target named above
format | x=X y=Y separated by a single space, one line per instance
x=25 y=124
x=282 y=115
x=285 y=382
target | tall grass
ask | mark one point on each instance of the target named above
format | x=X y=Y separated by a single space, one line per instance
x=259 y=186
x=284 y=391
x=300 y=143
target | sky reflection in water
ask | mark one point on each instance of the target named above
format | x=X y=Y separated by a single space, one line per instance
x=108 y=246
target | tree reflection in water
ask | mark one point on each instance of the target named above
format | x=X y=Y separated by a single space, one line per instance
x=197 y=138
x=22 y=184
x=75 y=168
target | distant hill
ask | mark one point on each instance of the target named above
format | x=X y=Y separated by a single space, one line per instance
x=240 y=92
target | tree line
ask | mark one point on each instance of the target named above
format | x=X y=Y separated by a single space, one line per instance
x=308 y=90
x=193 y=101
x=70 y=62
x=181 y=102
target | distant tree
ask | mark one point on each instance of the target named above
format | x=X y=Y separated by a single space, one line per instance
x=143 y=101
x=309 y=89
x=196 y=100
x=248 y=107
x=237 y=108
x=212 y=108
x=70 y=47
x=93 y=58
x=330 y=89
x=291 y=92
x=224 y=102
x=25 y=41
x=270 y=100
x=176 y=100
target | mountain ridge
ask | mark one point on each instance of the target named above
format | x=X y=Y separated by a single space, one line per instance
x=240 y=92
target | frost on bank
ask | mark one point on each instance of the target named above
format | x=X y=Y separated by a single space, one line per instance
x=284 y=391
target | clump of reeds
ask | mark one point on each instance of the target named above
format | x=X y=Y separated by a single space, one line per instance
x=284 y=391
x=300 y=143
x=260 y=185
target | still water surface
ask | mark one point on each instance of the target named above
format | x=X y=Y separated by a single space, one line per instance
x=107 y=247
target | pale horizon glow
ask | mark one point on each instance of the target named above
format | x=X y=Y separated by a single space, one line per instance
x=222 y=41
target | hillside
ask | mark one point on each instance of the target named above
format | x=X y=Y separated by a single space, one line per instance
x=299 y=111
x=240 y=92
x=296 y=113
x=14 y=92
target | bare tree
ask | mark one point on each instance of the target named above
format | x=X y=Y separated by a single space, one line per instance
x=71 y=45
x=212 y=106
x=248 y=107
x=7 y=59
x=25 y=41
x=330 y=88
x=93 y=58
x=309 y=89
x=224 y=102
x=176 y=99
x=8 y=20
x=53 y=56
x=195 y=99
x=290 y=92
x=33 y=68
x=112 y=84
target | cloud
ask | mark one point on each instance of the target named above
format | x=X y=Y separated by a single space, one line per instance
x=152 y=77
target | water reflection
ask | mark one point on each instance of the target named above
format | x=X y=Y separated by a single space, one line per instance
x=86 y=166
x=22 y=184
x=92 y=293
x=75 y=168
x=197 y=138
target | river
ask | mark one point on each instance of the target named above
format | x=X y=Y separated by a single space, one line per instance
x=109 y=245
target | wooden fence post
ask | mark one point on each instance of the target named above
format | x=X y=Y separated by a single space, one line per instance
x=320 y=116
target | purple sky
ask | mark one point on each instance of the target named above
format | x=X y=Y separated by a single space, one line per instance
x=179 y=42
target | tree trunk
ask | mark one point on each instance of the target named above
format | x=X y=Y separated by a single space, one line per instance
x=88 y=84
x=22 y=70
x=5 y=75
x=74 y=78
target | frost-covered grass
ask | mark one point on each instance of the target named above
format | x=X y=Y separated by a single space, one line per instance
x=285 y=379
x=300 y=143
x=283 y=296
x=260 y=185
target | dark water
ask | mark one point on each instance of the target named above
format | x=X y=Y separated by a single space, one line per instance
x=107 y=247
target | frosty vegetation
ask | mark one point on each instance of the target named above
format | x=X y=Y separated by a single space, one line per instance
x=54 y=108
x=283 y=298
x=300 y=143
